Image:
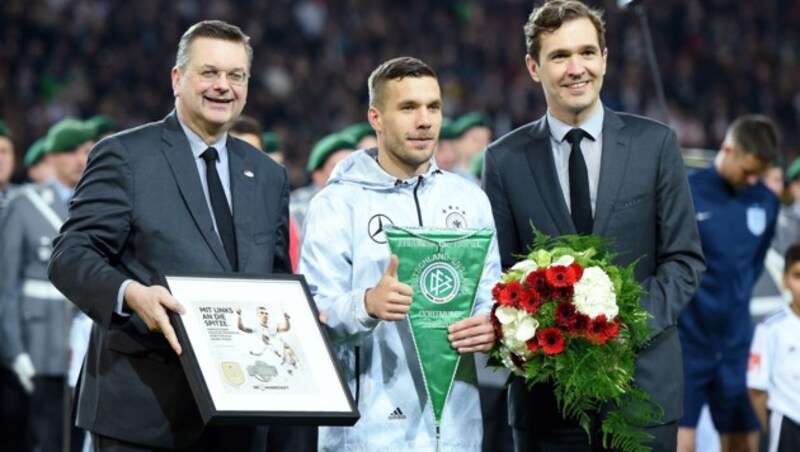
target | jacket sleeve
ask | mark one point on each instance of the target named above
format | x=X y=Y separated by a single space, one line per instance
x=679 y=257
x=493 y=185
x=326 y=261
x=92 y=239
x=283 y=262
x=491 y=266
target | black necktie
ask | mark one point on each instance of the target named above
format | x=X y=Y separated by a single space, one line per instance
x=580 y=202
x=219 y=203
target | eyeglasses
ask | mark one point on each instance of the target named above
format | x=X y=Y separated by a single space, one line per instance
x=211 y=75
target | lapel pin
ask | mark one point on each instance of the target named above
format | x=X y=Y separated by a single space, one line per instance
x=248 y=173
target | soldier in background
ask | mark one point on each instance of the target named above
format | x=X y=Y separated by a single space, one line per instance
x=6 y=163
x=328 y=151
x=39 y=169
x=35 y=317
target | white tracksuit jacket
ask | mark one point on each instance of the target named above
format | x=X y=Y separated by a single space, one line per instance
x=344 y=252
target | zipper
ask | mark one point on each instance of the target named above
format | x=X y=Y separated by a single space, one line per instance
x=416 y=200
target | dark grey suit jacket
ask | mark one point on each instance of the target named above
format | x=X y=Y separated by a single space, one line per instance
x=643 y=206
x=139 y=213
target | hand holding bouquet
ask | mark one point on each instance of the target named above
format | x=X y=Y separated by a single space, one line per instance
x=568 y=316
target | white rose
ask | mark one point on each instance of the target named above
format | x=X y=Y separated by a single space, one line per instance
x=527 y=267
x=526 y=328
x=565 y=260
x=594 y=294
x=518 y=327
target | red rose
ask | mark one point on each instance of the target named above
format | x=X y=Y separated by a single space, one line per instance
x=598 y=330
x=551 y=340
x=564 y=294
x=509 y=294
x=538 y=282
x=497 y=289
x=576 y=267
x=532 y=345
x=582 y=323
x=498 y=328
x=565 y=316
x=612 y=329
x=561 y=276
x=530 y=301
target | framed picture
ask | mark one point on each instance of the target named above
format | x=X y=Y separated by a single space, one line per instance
x=254 y=352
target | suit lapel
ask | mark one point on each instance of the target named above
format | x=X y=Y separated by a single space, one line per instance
x=539 y=154
x=613 y=164
x=242 y=174
x=184 y=169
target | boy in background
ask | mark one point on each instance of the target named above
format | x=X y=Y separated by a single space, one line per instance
x=773 y=372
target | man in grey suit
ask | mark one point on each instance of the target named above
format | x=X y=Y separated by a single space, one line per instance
x=176 y=196
x=34 y=317
x=624 y=182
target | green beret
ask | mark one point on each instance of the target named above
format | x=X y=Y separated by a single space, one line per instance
x=327 y=146
x=67 y=134
x=103 y=124
x=476 y=167
x=35 y=153
x=468 y=121
x=794 y=170
x=447 y=132
x=358 y=131
x=4 y=130
x=271 y=143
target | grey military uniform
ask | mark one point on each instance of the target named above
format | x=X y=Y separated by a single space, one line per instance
x=6 y=195
x=34 y=316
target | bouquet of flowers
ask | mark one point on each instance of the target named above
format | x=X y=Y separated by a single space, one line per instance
x=568 y=316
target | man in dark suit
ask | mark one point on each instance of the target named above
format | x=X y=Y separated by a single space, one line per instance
x=172 y=197
x=625 y=182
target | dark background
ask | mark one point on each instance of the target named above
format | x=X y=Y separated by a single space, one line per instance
x=718 y=59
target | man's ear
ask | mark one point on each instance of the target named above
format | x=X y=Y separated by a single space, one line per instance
x=176 y=81
x=374 y=118
x=533 y=68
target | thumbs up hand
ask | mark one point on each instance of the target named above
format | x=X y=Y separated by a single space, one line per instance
x=389 y=299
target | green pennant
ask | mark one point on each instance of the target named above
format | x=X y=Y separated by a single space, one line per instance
x=444 y=268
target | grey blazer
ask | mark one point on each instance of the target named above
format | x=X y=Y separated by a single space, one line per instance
x=34 y=316
x=643 y=206
x=139 y=213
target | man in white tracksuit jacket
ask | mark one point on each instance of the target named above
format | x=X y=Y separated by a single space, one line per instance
x=352 y=275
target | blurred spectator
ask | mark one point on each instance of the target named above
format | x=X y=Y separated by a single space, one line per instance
x=40 y=169
x=328 y=151
x=104 y=125
x=474 y=133
x=271 y=145
x=248 y=129
x=7 y=158
x=36 y=318
x=363 y=134
x=83 y=56
x=787 y=230
x=773 y=179
x=733 y=208
x=13 y=399
x=446 y=154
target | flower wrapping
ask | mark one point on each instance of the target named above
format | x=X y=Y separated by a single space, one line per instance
x=566 y=315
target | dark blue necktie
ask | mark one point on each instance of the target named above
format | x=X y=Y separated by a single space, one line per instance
x=219 y=204
x=580 y=201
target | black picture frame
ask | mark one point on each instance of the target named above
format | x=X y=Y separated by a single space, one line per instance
x=293 y=376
